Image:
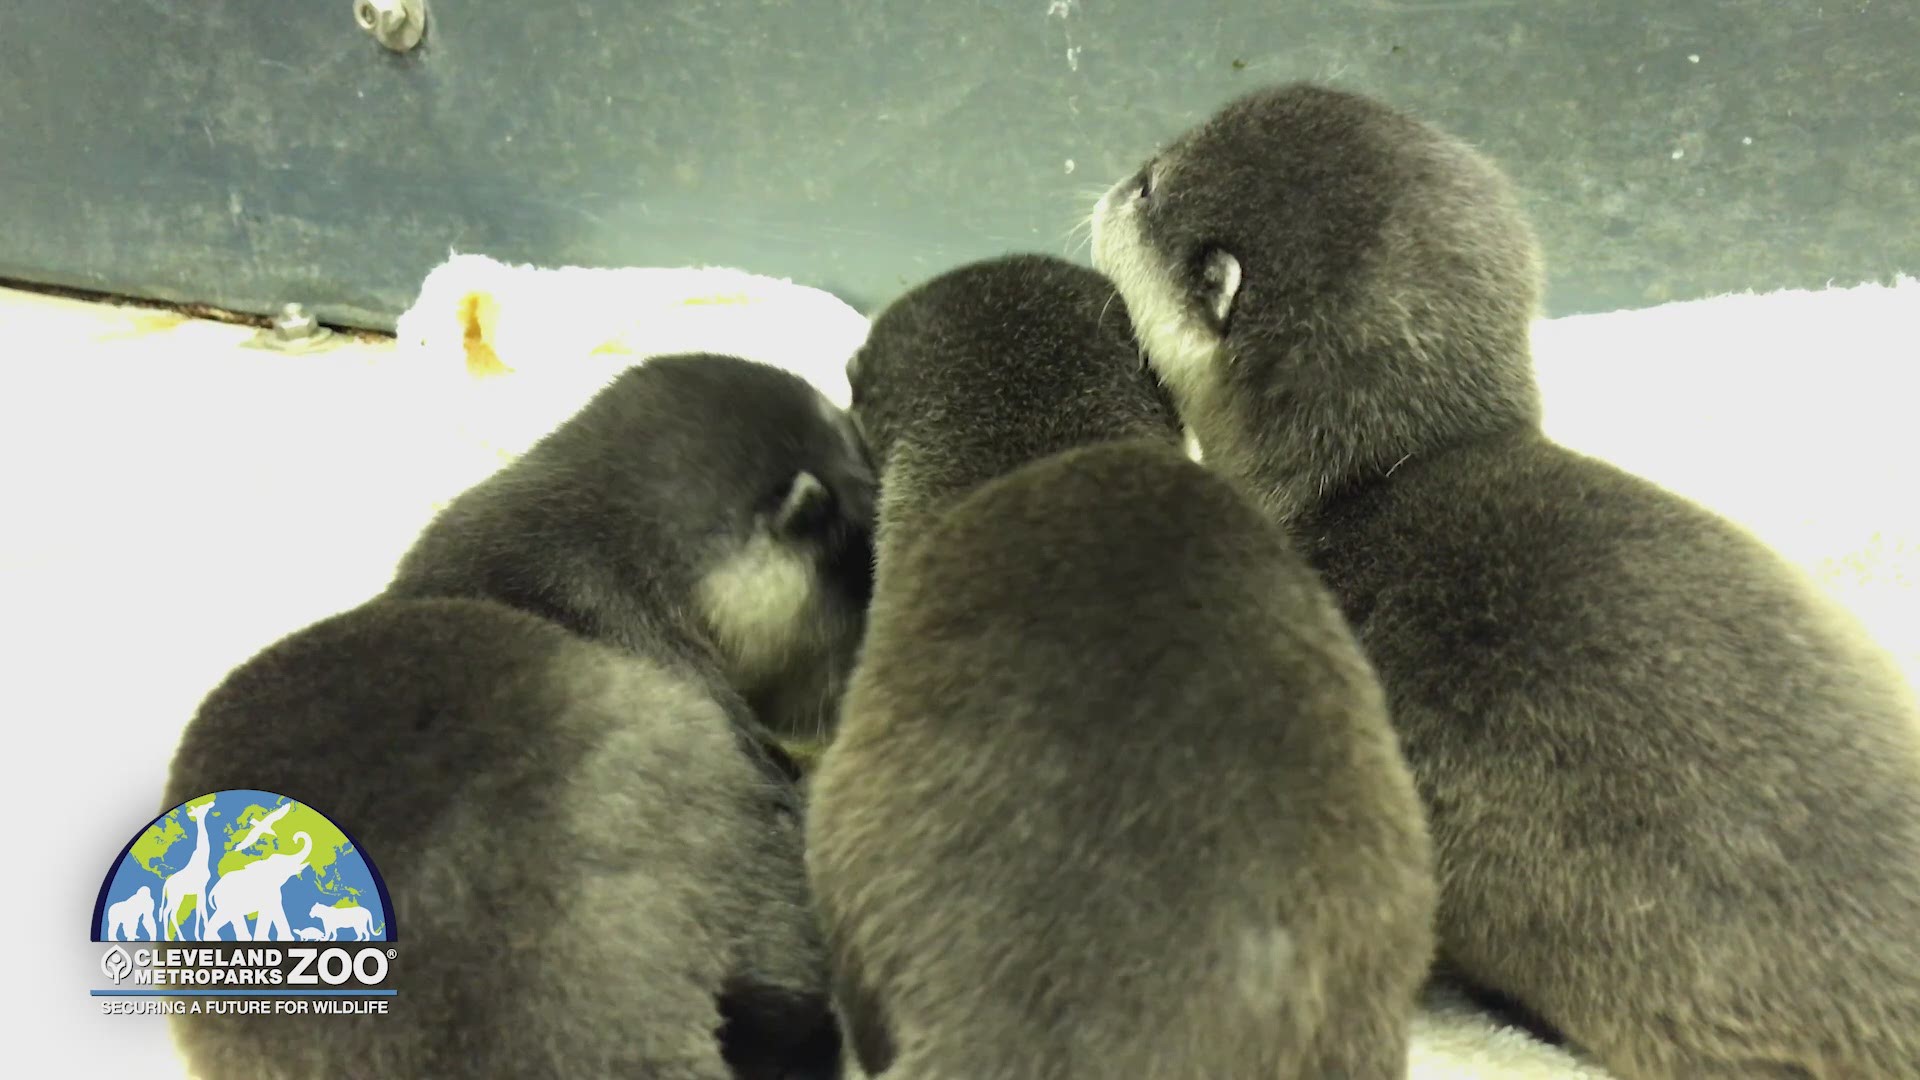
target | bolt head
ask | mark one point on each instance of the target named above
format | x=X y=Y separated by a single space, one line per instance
x=294 y=322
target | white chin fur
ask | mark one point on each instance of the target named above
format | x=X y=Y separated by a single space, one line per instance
x=1181 y=346
x=758 y=602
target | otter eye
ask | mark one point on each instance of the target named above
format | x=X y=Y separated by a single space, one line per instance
x=1144 y=189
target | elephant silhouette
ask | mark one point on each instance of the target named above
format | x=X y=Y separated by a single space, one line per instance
x=131 y=915
x=255 y=887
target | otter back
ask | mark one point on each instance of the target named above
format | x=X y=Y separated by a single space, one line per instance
x=1115 y=795
x=595 y=872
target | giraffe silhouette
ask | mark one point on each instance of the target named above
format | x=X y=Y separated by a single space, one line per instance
x=255 y=887
x=190 y=881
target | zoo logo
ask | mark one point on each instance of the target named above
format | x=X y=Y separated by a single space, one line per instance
x=242 y=865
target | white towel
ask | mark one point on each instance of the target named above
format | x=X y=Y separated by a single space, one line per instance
x=573 y=328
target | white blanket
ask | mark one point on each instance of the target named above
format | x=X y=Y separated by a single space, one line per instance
x=175 y=501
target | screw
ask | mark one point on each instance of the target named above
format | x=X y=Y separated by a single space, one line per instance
x=395 y=24
x=295 y=323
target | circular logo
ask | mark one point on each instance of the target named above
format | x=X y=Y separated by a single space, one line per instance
x=243 y=865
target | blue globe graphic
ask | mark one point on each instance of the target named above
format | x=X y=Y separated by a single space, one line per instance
x=242 y=865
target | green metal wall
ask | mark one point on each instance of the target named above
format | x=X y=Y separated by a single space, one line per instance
x=249 y=152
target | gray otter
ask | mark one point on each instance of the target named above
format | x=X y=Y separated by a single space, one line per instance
x=593 y=871
x=1674 y=792
x=548 y=731
x=712 y=505
x=1114 y=793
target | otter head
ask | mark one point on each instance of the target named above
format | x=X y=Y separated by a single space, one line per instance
x=1326 y=286
x=773 y=494
x=988 y=366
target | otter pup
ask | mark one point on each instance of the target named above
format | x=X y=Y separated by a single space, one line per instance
x=547 y=731
x=697 y=498
x=594 y=871
x=1114 y=793
x=1674 y=792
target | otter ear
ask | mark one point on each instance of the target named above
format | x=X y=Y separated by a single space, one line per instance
x=853 y=373
x=804 y=508
x=1220 y=284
